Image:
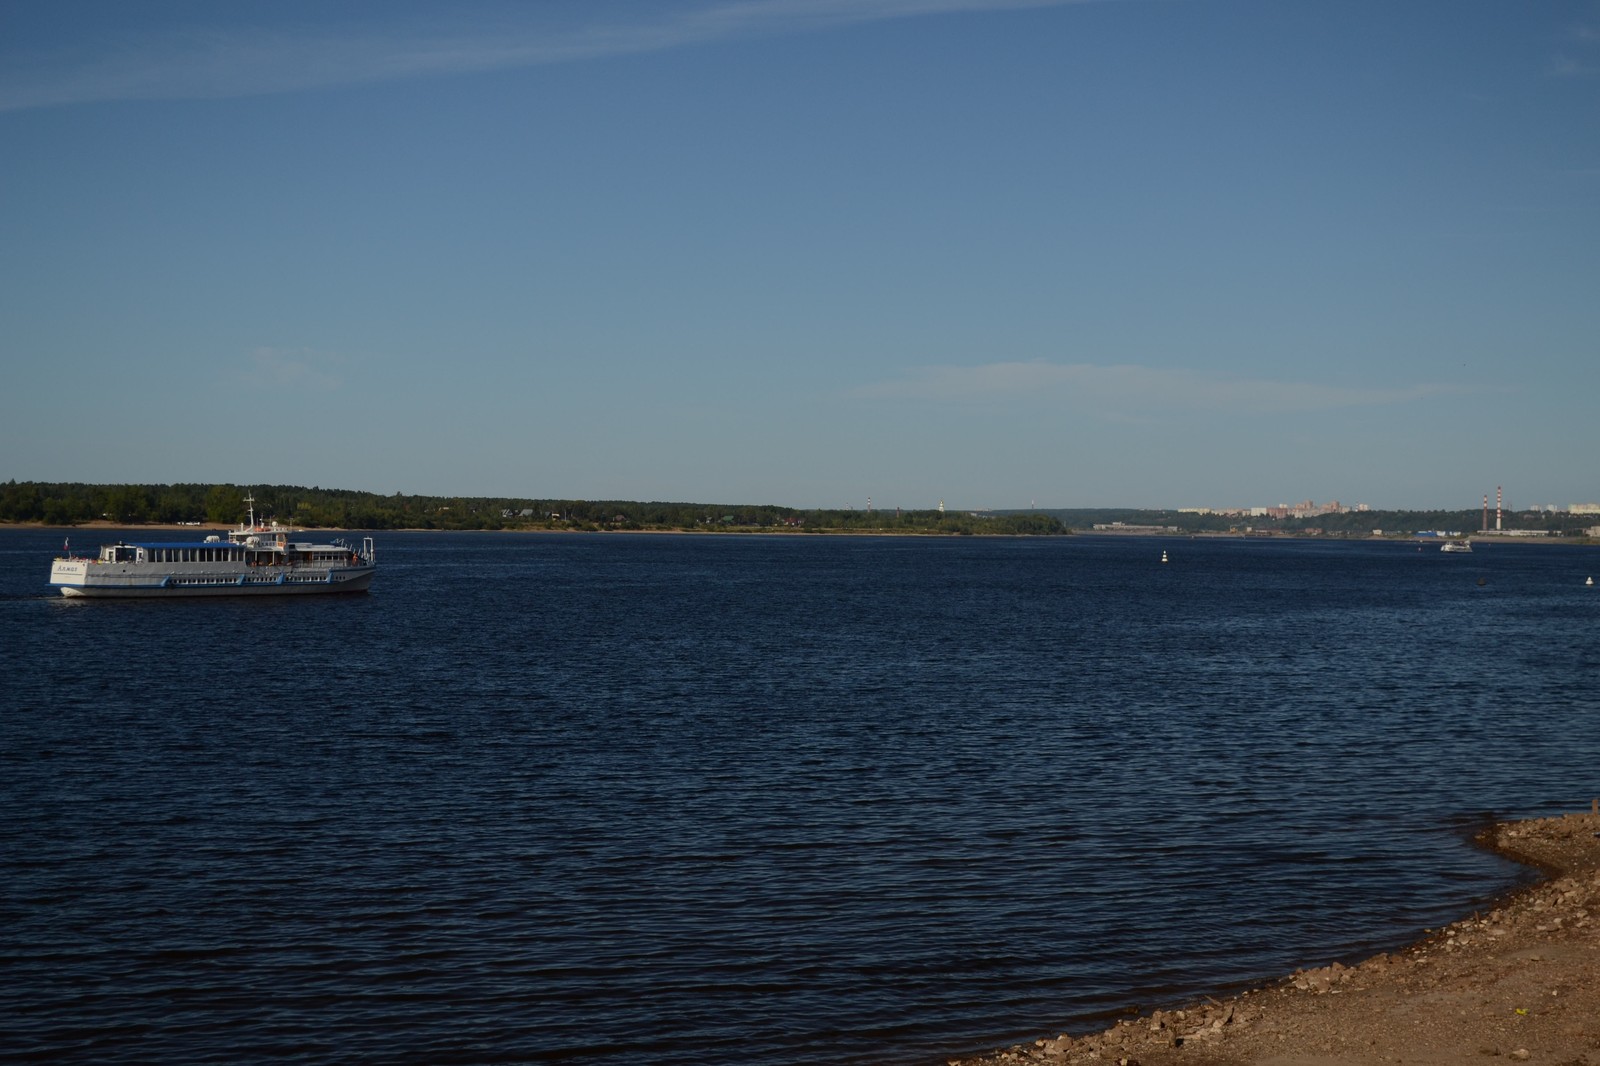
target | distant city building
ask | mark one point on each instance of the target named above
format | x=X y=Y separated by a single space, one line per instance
x=1305 y=509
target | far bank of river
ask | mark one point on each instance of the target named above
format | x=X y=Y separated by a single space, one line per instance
x=1490 y=538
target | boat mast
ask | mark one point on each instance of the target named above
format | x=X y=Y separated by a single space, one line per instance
x=250 y=501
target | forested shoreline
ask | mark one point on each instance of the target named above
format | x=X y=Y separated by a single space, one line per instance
x=74 y=503
x=70 y=504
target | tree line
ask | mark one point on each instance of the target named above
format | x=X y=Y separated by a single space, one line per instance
x=73 y=503
x=69 y=504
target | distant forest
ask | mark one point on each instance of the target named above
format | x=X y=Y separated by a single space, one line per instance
x=132 y=505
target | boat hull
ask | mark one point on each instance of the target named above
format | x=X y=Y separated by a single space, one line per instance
x=77 y=580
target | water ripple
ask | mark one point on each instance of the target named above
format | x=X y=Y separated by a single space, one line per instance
x=786 y=800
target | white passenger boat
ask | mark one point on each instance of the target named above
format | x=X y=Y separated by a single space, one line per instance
x=1456 y=546
x=254 y=560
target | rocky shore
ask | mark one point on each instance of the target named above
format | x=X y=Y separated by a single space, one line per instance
x=1520 y=983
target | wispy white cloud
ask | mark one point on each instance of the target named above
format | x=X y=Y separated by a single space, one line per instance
x=245 y=61
x=1131 y=391
x=289 y=369
x=1567 y=65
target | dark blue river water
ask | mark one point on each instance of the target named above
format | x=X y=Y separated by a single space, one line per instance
x=608 y=799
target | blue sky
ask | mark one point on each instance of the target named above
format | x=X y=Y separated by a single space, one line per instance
x=804 y=252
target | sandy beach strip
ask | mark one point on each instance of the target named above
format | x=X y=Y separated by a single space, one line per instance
x=1520 y=983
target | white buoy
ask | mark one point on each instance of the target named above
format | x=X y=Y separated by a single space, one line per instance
x=1589 y=582
x=1164 y=558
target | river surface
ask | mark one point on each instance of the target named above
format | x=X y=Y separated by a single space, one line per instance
x=771 y=800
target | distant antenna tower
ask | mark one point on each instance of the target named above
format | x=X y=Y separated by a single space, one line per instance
x=1485 y=525
x=869 y=504
x=1497 y=508
x=941 y=505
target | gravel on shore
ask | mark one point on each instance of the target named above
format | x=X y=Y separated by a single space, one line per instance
x=1520 y=983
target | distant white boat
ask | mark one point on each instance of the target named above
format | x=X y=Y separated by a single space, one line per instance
x=1456 y=546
